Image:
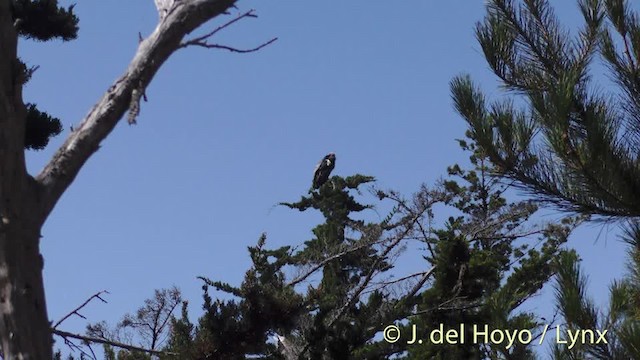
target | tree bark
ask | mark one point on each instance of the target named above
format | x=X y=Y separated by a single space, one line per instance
x=24 y=324
x=152 y=52
x=25 y=202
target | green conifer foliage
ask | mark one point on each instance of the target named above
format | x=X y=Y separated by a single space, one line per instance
x=330 y=318
x=41 y=20
x=480 y=266
x=575 y=140
x=488 y=261
x=611 y=333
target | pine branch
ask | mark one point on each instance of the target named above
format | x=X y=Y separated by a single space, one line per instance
x=584 y=143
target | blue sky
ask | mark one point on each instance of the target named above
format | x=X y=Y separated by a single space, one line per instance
x=225 y=137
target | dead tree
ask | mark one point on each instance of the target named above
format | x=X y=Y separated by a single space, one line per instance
x=26 y=201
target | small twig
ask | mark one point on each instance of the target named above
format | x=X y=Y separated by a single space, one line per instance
x=250 y=13
x=420 y=283
x=89 y=339
x=92 y=353
x=382 y=284
x=75 y=311
x=73 y=346
x=202 y=40
x=322 y=263
x=443 y=306
x=30 y=72
x=232 y=49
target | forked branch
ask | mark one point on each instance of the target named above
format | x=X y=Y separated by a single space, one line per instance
x=125 y=93
x=75 y=311
x=203 y=41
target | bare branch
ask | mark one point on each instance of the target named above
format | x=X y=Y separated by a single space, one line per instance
x=445 y=306
x=384 y=284
x=75 y=311
x=73 y=346
x=232 y=49
x=89 y=339
x=152 y=52
x=201 y=41
x=322 y=263
x=205 y=37
x=420 y=283
x=372 y=271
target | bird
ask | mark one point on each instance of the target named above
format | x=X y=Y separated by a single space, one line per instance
x=323 y=170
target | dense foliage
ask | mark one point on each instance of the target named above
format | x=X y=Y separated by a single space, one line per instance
x=41 y=20
x=569 y=137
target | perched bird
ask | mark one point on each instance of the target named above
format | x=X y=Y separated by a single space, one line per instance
x=323 y=170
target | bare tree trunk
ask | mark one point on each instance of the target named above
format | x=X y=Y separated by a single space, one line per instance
x=25 y=201
x=24 y=325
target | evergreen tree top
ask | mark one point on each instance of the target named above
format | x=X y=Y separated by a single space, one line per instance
x=44 y=20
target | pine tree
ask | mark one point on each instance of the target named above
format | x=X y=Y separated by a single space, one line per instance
x=567 y=137
x=489 y=261
x=574 y=140
x=332 y=320
x=482 y=266
x=621 y=320
x=340 y=322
